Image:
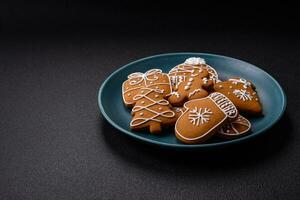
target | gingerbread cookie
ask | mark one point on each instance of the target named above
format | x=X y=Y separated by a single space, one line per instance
x=178 y=112
x=193 y=87
x=235 y=128
x=151 y=111
x=179 y=73
x=203 y=117
x=153 y=78
x=242 y=93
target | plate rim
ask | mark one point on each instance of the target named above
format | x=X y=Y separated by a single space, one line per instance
x=188 y=146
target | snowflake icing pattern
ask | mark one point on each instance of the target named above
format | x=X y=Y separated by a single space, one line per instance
x=199 y=116
x=243 y=95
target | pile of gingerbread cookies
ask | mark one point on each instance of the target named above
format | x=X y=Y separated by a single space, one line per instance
x=193 y=98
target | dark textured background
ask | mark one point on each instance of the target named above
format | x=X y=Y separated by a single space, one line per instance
x=54 y=143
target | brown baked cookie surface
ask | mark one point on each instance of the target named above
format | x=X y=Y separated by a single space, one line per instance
x=153 y=78
x=203 y=117
x=192 y=87
x=235 y=128
x=178 y=112
x=152 y=111
x=242 y=93
x=180 y=72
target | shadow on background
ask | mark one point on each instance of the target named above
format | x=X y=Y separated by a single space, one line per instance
x=249 y=153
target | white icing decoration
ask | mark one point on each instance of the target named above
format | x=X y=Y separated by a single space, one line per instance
x=195 y=91
x=230 y=87
x=186 y=87
x=205 y=80
x=231 y=126
x=129 y=94
x=243 y=95
x=176 y=94
x=220 y=86
x=137 y=108
x=135 y=80
x=142 y=102
x=160 y=108
x=191 y=79
x=176 y=80
x=186 y=68
x=224 y=104
x=156 y=96
x=194 y=61
x=189 y=83
x=230 y=111
x=143 y=77
x=199 y=116
x=141 y=114
x=245 y=83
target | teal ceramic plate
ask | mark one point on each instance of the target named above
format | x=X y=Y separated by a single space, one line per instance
x=271 y=94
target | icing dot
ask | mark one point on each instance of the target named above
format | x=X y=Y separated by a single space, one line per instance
x=253 y=93
x=228 y=93
x=186 y=87
x=141 y=114
x=160 y=108
x=189 y=83
x=256 y=99
x=245 y=86
x=228 y=131
x=127 y=88
x=157 y=87
x=151 y=82
x=139 y=84
x=230 y=87
x=142 y=91
x=129 y=94
x=156 y=96
x=220 y=86
x=142 y=102
x=191 y=79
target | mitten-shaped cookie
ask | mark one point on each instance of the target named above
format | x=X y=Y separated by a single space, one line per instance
x=151 y=111
x=242 y=93
x=179 y=73
x=203 y=117
x=153 y=78
x=236 y=128
x=193 y=87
